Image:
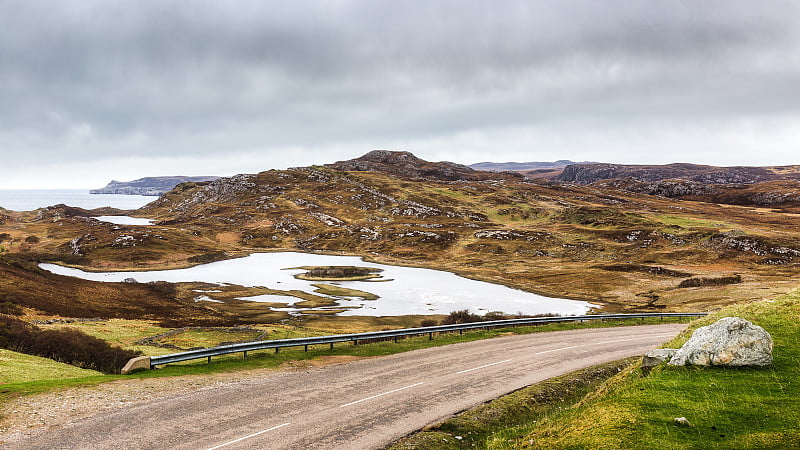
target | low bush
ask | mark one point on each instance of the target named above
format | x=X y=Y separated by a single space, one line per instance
x=461 y=316
x=206 y=258
x=66 y=346
x=428 y=323
x=162 y=287
x=9 y=308
x=721 y=281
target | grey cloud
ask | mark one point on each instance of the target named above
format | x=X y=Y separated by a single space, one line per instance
x=158 y=77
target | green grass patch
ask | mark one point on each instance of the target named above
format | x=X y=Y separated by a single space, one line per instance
x=208 y=338
x=121 y=332
x=338 y=291
x=19 y=367
x=691 y=222
x=727 y=407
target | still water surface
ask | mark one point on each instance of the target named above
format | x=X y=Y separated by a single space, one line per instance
x=30 y=199
x=410 y=291
x=125 y=220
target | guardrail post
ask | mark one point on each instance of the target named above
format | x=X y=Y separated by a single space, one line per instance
x=430 y=336
x=355 y=341
x=331 y=345
x=276 y=349
x=305 y=348
x=209 y=360
x=244 y=354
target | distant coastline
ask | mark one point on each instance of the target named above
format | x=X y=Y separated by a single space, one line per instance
x=32 y=199
x=149 y=186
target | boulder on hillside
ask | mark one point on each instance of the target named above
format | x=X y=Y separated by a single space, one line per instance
x=731 y=341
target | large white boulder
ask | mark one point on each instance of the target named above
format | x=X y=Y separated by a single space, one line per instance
x=731 y=341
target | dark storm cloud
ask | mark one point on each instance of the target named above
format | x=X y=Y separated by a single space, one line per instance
x=82 y=79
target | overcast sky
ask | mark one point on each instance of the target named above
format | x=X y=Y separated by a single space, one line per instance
x=91 y=91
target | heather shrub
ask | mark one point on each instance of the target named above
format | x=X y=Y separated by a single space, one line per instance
x=162 y=287
x=720 y=281
x=12 y=309
x=66 y=346
x=428 y=323
x=206 y=258
x=461 y=316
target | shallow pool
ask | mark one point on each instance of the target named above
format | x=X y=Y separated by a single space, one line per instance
x=124 y=220
x=410 y=290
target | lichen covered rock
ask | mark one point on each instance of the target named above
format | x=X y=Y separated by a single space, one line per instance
x=731 y=341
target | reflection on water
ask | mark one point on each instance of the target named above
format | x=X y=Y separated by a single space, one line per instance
x=410 y=291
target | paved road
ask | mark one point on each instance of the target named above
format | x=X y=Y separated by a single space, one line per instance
x=358 y=405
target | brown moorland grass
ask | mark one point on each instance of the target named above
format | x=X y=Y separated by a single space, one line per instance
x=543 y=237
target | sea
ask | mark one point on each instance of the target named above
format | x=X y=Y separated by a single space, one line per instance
x=31 y=199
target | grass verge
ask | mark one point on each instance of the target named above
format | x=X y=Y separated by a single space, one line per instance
x=19 y=367
x=472 y=427
x=726 y=407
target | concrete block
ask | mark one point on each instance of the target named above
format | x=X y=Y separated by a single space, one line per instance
x=140 y=362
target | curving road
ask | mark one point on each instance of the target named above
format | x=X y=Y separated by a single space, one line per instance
x=358 y=405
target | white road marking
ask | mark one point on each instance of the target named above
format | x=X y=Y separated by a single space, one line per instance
x=632 y=339
x=600 y=343
x=558 y=349
x=485 y=365
x=379 y=395
x=252 y=435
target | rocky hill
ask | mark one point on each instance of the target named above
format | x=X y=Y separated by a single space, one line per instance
x=406 y=165
x=590 y=173
x=780 y=193
x=624 y=244
x=525 y=166
x=148 y=185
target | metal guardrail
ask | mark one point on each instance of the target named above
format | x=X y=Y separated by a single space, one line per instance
x=379 y=335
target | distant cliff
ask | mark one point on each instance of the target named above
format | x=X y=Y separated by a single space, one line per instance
x=148 y=185
x=525 y=166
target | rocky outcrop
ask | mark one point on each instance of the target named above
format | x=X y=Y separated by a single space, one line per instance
x=590 y=173
x=148 y=185
x=512 y=235
x=770 y=193
x=731 y=341
x=657 y=357
x=662 y=188
x=406 y=165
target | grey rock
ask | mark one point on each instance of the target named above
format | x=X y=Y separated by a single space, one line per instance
x=731 y=341
x=682 y=421
x=658 y=356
